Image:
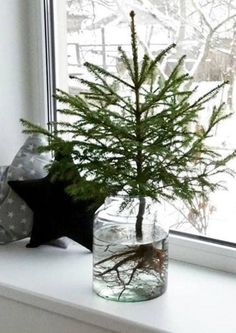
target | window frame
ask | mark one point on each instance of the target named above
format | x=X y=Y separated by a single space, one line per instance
x=211 y=253
x=50 y=57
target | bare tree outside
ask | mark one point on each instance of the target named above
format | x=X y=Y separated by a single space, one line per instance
x=205 y=31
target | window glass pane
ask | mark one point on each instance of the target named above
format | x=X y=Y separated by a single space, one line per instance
x=204 y=30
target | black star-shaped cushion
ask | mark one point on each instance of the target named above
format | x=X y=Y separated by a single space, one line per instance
x=56 y=214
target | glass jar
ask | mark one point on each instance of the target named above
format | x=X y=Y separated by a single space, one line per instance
x=130 y=250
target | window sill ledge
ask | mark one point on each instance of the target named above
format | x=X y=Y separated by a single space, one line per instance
x=50 y=288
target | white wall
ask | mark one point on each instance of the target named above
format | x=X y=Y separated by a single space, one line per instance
x=22 y=92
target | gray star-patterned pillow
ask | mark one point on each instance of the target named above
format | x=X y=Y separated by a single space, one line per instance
x=28 y=162
x=16 y=218
x=4 y=188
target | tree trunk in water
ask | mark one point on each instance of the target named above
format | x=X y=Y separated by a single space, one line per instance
x=141 y=210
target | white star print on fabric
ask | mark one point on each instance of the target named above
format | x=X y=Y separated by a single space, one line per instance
x=12 y=227
x=31 y=147
x=23 y=207
x=23 y=221
x=10 y=214
x=10 y=201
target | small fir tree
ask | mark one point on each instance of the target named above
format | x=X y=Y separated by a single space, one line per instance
x=139 y=135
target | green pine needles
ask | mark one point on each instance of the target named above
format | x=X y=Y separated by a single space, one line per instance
x=139 y=135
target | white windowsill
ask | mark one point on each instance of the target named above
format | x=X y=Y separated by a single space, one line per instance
x=59 y=282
